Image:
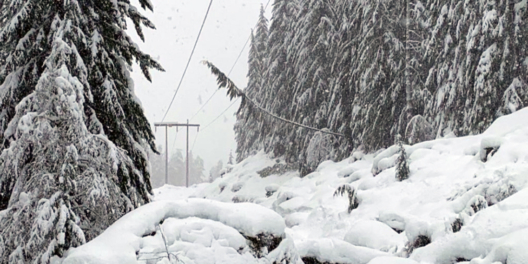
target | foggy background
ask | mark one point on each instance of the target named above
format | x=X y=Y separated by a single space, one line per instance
x=226 y=31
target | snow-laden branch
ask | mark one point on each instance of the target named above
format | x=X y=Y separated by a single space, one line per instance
x=234 y=92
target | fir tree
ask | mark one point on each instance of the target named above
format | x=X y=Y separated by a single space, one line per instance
x=249 y=120
x=157 y=168
x=74 y=138
x=230 y=160
x=215 y=171
x=196 y=173
x=176 y=168
x=279 y=74
x=402 y=165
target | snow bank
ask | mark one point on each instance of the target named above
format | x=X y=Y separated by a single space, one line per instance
x=191 y=228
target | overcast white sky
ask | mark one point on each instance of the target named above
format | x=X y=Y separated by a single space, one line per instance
x=225 y=33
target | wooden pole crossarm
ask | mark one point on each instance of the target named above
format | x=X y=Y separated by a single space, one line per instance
x=173 y=124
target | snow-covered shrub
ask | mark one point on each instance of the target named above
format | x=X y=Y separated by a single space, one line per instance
x=263 y=243
x=402 y=165
x=237 y=186
x=222 y=186
x=418 y=130
x=489 y=146
x=393 y=220
x=457 y=225
x=319 y=149
x=241 y=199
x=278 y=169
x=418 y=242
x=499 y=191
x=271 y=189
x=475 y=205
x=384 y=159
x=353 y=201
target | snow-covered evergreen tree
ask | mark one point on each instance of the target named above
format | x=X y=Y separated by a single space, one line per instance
x=196 y=171
x=215 y=171
x=402 y=164
x=74 y=138
x=279 y=73
x=250 y=123
x=176 y=169
x=157 y=168
x=230 y=160
x=475 y=55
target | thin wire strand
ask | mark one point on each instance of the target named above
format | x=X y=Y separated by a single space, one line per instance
x=210 y=123
x=189 y=61
x=203 y=106
x=228 y=74
x=194 y=142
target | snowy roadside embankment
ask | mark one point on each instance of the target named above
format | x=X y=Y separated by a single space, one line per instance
x=464 y=202
x=192 y=231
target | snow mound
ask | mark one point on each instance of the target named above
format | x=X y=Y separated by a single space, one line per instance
x=376 y=235
x=336 y=251
x=392 y=260
x=192 y=231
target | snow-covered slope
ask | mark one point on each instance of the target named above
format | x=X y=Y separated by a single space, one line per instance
x=466 y=201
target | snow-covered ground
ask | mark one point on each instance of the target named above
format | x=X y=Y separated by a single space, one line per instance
x=466 y=201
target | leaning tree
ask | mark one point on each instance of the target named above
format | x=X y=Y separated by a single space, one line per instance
x=73 y=136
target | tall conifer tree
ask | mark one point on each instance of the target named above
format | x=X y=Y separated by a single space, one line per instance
x=249 y=120
x=73 y=135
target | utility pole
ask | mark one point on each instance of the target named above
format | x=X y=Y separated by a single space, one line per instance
x=171 y=124
x=187 y=158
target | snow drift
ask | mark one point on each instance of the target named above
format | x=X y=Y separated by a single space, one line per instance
x=191 y=231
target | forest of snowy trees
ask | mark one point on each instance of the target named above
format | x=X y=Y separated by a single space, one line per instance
x=373 y=70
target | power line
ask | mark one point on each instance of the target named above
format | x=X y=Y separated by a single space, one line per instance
x=189 y=61
x=194 y=142
x=228 y=74
x=203 y=106
x=210 y=123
